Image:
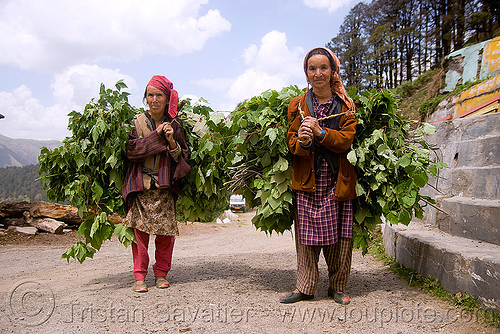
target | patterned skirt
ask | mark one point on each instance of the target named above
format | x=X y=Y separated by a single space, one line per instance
x=153 y=212
x=321 y=219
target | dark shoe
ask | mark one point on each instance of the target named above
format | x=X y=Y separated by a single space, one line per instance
x=339 y=296
x=294 y=297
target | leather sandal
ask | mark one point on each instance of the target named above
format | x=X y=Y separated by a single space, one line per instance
x=140 y=286
x=294 y=297
x=161 y=282
x=339 y=297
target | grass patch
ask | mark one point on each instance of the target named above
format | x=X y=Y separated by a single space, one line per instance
x=411 y=95
x=433 y=287
x=420 y=97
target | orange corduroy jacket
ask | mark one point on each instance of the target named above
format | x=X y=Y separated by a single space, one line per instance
x=338 y=141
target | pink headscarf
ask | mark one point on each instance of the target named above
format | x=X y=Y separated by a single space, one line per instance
x=335 y=81
x=163 y=84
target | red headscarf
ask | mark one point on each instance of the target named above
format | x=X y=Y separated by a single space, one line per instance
x=163 y=84
x=335 y=81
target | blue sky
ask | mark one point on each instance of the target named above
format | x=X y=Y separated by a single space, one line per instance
x=56 y=53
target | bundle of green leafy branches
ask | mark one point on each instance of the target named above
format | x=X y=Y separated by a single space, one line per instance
x=261 y=166
x=89 y=169
x=202 y=194
x=392 y=162
x=244 y=153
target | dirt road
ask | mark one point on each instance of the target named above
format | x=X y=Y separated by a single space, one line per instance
x=225 y=278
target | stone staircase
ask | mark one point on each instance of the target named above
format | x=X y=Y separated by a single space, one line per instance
x=459 y=244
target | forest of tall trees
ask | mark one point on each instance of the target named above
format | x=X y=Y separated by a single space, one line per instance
x=19 y=184
x=387 y=42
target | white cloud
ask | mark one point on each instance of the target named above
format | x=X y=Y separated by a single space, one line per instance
x=253 y=82
x=331 y=5
x=272 y=65
x=78 y=84
x=250 y=53
x=53 y=34
x=26 y=117
x=217 y=84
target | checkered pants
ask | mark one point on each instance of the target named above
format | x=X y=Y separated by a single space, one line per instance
x=338 y=259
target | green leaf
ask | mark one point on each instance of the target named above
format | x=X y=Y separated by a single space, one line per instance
x=383 y=150
x=79 y=251
x=361 y=214
x=266 y=160
x=258 y=183
x=360 y=191
x=392 y=217
x=433 y=170
x=97 y=191
x=125 y=234
x=351 y=156
x=80 y=161
x=409 y=199
x=441 y=164
x=420 y=178
x=405 y=160
x=271 y=134
x=112 y=161
x=404 y=217
x=281 y=165
x=425 y=129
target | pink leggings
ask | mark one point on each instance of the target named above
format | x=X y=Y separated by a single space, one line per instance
x=163 y=255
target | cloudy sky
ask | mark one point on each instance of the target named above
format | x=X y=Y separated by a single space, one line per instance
x=56 y=53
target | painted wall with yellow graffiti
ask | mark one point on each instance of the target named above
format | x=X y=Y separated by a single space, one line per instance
x=479 y=61
x=479 y=99
x=483 y=97
x=491 y=58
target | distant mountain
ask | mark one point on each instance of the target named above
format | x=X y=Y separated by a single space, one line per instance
x=22 y=152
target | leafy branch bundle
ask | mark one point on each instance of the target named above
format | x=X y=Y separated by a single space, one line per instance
x=202 y=193
x=392 y=162
x=260 y=160
x=88 y=170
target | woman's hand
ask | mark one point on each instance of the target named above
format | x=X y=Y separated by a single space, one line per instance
x=166 y=128
x=305 y=134
x=313 y=125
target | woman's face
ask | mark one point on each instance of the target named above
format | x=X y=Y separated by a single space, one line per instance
x=156 y=100
x=319 y=71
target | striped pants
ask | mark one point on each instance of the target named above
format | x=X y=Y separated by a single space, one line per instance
x=338 y=259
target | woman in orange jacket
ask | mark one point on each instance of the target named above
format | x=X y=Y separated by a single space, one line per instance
x=321 y=130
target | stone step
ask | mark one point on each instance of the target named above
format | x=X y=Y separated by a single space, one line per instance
x=469 y=147
x=470 y=218
x=477 y=126
x=460 y=264
x=478 y=152
x=465 y=129
x=478 y=182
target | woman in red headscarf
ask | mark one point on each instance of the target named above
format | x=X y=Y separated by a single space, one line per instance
x=158 y=153
x=321 y=130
